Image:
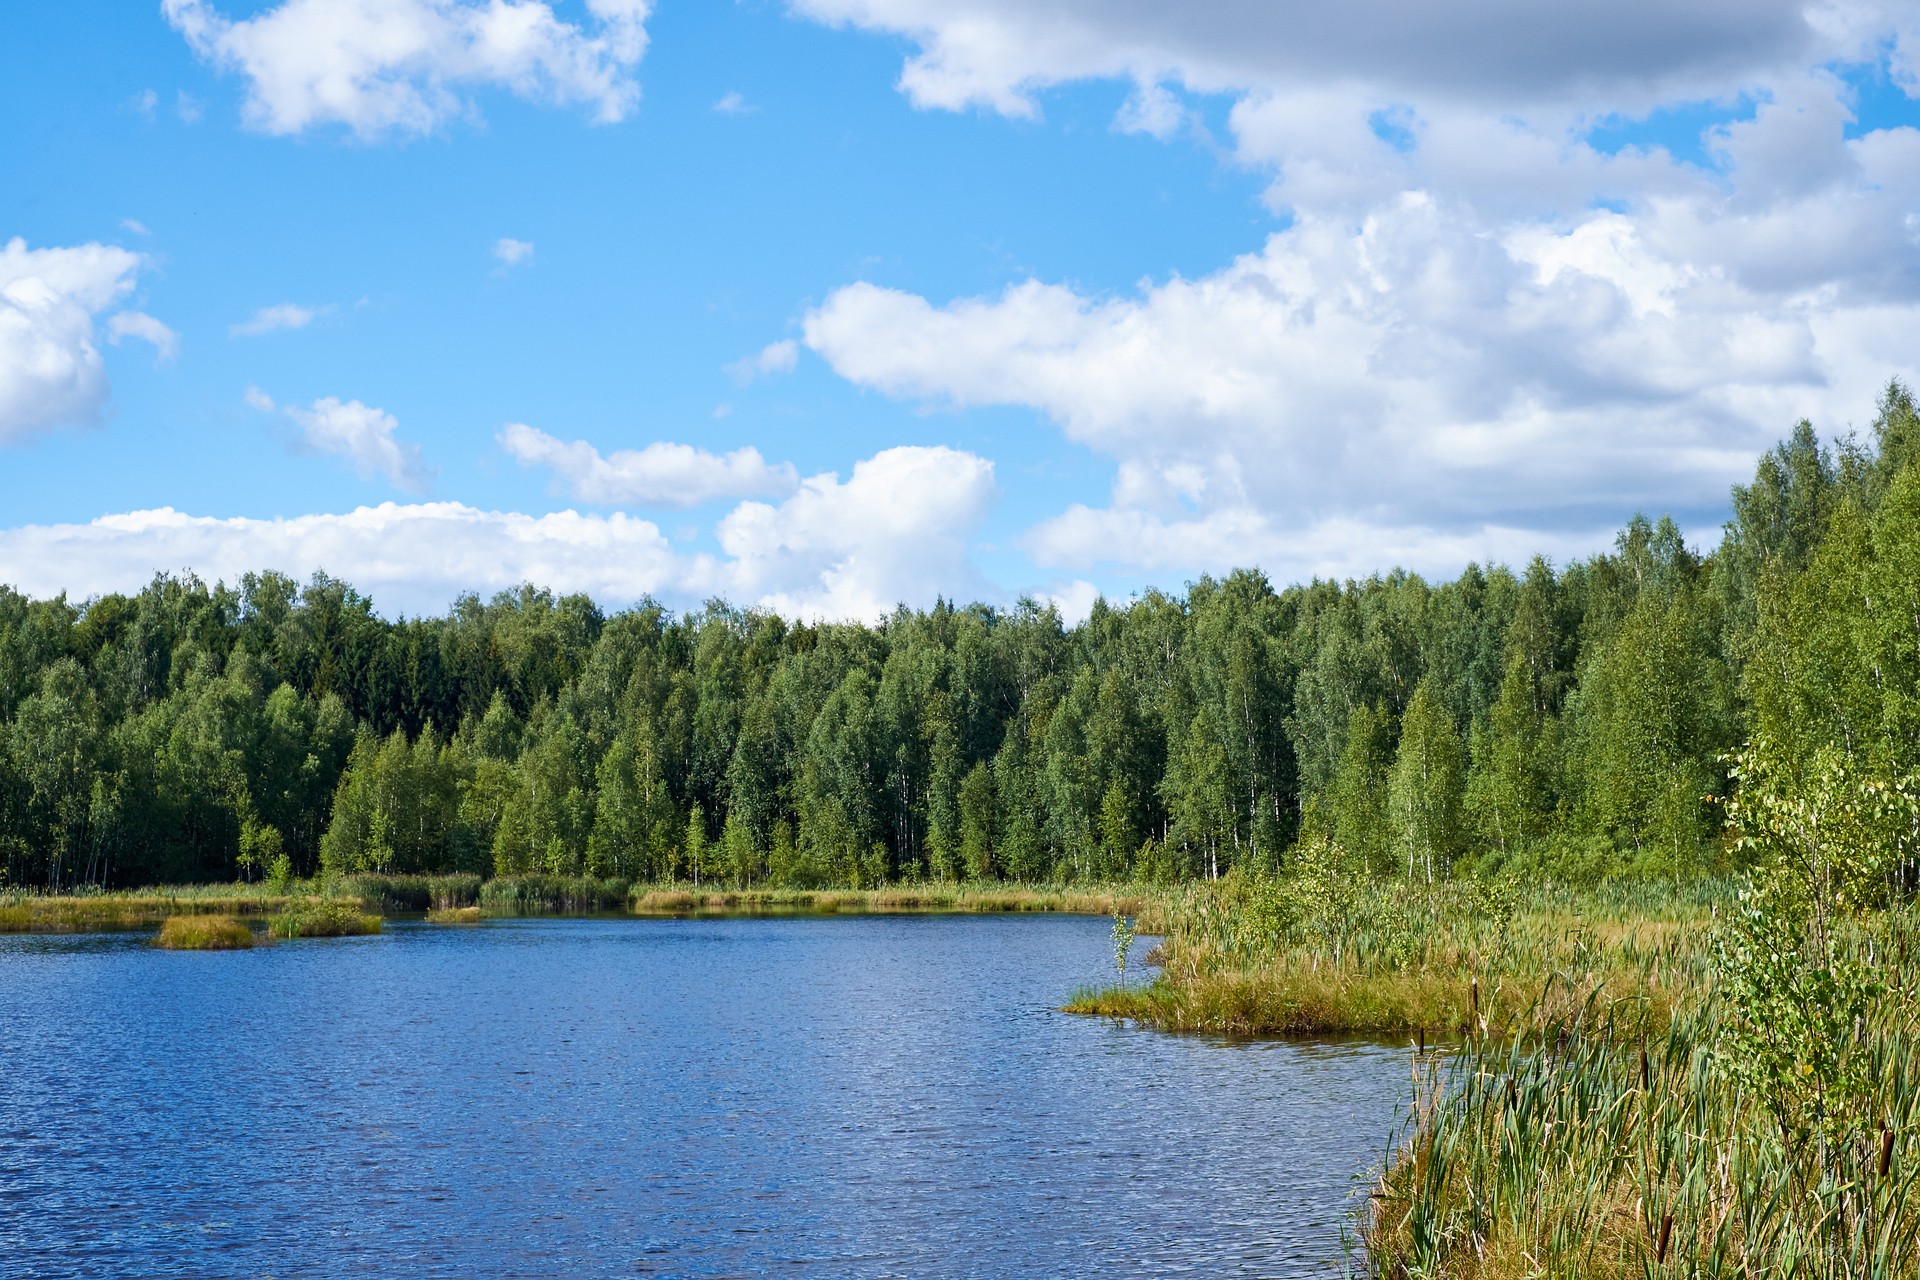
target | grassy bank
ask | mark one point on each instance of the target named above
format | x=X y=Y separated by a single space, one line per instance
x=1597 y=1093
x=1582 y=1147
x=1330 y=954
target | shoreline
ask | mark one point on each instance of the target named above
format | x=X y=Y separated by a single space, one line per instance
x=38 y=913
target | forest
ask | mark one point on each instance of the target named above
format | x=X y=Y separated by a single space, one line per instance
x=1572 y=722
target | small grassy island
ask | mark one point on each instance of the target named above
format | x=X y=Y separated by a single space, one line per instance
x=1626 y=851
x=203 y=933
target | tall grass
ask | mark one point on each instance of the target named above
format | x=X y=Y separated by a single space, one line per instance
x=141 y=908
x=1577 y=1148
x=324 y=918
x=1580 y=1112
x=543 y=895
x=388 y=894
x=1327 y=955
x=203 y=933
x=973 y=897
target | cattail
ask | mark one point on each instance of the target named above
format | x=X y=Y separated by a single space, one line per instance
x=1645 y=1074
x=1473 y=998
x=1513 y=1094
x=1666 y=1233
x=1886 y=1149
x=1420 y=1041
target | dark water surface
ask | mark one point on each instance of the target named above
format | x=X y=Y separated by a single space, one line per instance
x=890 y=1096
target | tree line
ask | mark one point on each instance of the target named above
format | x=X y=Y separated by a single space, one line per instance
x=1575 y=720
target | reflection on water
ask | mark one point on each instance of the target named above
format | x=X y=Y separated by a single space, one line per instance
x=890 y=1096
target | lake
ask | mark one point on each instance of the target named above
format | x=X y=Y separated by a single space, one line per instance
x=841 y=1096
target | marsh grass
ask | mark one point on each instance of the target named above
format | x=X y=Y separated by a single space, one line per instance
x=324 y=918
x=453 y=915
x=1578 y=1149
x=142 y=908
x=1373 y=957
x=1575 y=1108
x=682 y=900
x=389 y=894
x=203 y=933
x=551 y=895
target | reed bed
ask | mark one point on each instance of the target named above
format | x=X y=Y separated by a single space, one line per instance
x=685 y=900
x=552 y=895
x=142 y=908
x=203 y=933
x=391 y=894
x=324 y=918
x=1331 y=955
x=1577 y=1148
x=453 y=915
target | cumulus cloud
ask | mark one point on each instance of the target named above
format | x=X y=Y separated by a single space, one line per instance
x=1479 y=334
x=415 y=557
x=51 y=372
x=363 y=435
x=405 y=67
x=662 y=474
x=899 y=529
x=277 y=318
x=732 y=104
x=510 y=253
x=1000 y=54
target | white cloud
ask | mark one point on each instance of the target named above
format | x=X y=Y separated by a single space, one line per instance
x=136 y=226
x=732 y=104
x=662 y=474
x=51 y=373
x=362 y=434
x=1000 y=54
x=1478 y=334
x=187 y=107
x=899 y=529
x=405 y=67
x=1152 y=109
x=135 y=324
x=277 y=318
x=511 y=253
x=776 y=357
x=1417 y=382
x=415 y=557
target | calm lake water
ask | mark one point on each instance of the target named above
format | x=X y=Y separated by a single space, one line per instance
x=867 y=1097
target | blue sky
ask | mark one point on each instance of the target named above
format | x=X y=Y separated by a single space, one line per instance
x=1053 y=297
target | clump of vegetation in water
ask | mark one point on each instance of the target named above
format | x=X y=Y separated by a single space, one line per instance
x=453 y=915
x=413 y=893
x=324 y=918
x=537 y=894
x=203 y=933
